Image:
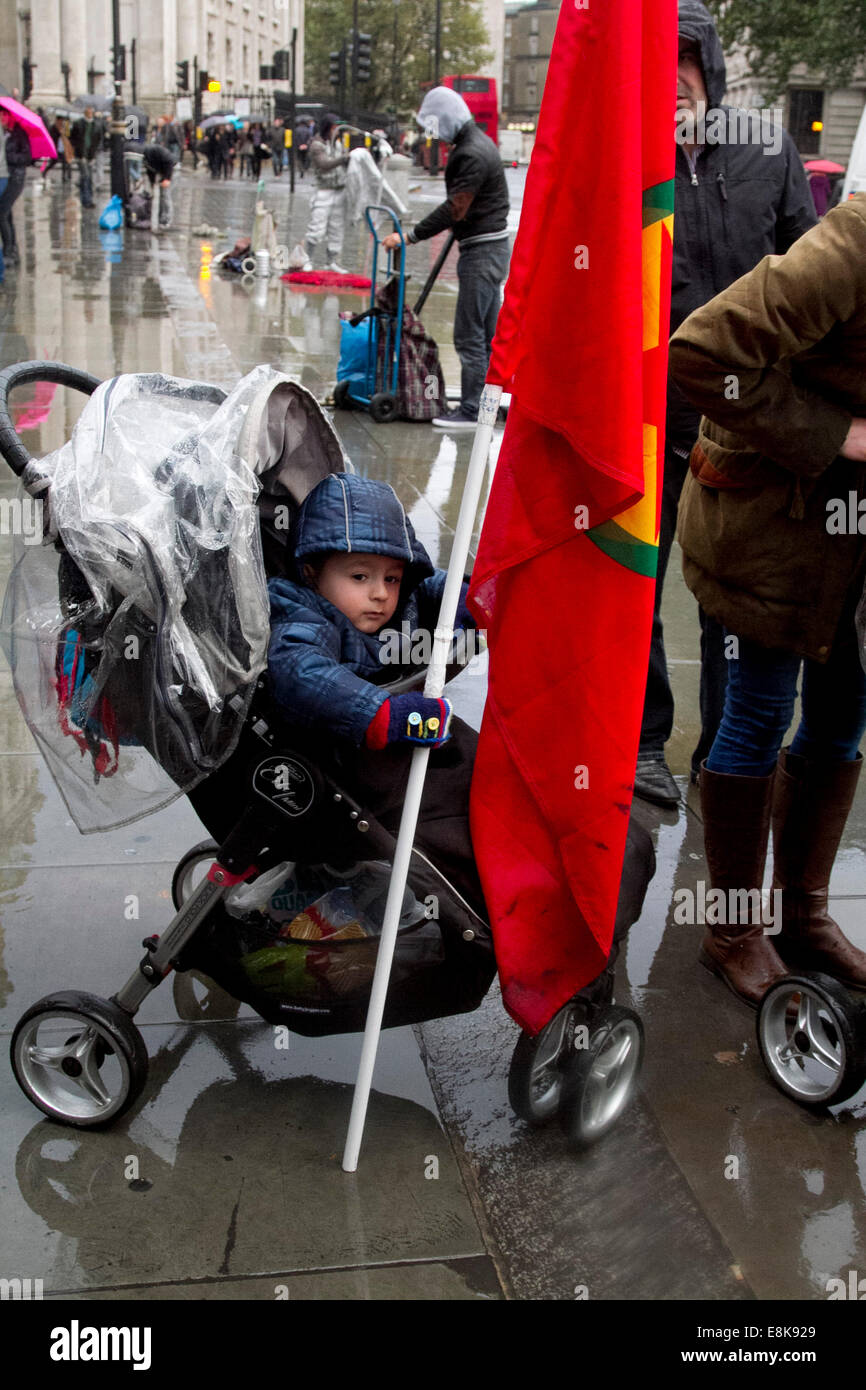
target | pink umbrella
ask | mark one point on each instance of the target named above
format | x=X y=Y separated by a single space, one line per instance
x=41 y=144
x=823 y=166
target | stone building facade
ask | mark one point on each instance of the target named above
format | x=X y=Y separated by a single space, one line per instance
x=809 y=100
x=529 y=31
x=69 y=44
x=493 y=12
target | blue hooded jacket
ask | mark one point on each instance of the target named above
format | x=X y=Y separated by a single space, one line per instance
x=320 y=665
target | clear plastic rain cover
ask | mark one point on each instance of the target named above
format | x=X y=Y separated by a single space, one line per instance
x=137 y=629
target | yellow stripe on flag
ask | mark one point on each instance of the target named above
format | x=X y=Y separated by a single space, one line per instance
x=651 y=249
x=640 y=519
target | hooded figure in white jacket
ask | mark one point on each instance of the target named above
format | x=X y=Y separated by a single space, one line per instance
x=328 y=162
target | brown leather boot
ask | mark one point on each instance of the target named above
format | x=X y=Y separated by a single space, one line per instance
x=736 y=813
x=811 y=804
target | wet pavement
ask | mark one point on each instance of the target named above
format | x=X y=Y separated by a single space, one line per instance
x=224 y=1180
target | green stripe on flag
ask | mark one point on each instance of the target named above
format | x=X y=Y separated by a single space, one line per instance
x=625 y=549
x=658 y=202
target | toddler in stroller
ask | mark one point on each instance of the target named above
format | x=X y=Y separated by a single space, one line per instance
x=238 y=708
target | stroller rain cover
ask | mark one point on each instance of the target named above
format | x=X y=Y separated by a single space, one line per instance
x=137 y=630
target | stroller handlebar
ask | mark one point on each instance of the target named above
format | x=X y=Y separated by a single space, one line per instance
x=14 y=451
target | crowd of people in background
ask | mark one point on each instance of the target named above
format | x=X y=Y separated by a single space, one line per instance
x=245 y=149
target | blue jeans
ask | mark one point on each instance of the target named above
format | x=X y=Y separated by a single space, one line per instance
x=658 y=713
x=759 y=703
x=481 y=270
x=85 y=182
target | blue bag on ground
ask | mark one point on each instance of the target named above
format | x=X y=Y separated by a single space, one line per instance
x=112 y=215
x=352 y=366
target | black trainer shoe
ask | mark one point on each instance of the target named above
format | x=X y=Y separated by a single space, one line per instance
x=455 y=420
x=653 y=781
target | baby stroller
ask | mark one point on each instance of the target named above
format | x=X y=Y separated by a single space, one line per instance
x=137 y=643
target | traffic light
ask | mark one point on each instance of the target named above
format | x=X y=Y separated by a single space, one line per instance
x=337 y=64
x=214 y=86
x=361 y=57
x=203 y=82
x=282 y=65
x=26 y=78
x=182 y=70
x=118 y=63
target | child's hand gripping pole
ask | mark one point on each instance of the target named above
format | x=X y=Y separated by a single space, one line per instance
x=433 y=688
x=410 y=719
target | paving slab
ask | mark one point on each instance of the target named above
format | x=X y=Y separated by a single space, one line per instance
x=229 y=1166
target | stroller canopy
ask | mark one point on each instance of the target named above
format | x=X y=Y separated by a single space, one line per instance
x=136 y=640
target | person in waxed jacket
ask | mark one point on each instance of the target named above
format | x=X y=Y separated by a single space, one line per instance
x=363 y=582
x=741 y=193
x=476 y=210
x=774 y=547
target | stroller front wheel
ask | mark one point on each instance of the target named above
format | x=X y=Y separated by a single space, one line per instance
x=79 y=1058
x=600 y=1079
x=535 y=1075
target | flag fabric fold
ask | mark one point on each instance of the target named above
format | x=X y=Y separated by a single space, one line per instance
x=564 y=577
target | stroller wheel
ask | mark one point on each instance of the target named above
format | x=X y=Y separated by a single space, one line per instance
x=600 y=1079
x=341 y=396
x=79 y=1058
x=535 y=1075
x=383 y=407
x=812 y=1037
x=191 y=870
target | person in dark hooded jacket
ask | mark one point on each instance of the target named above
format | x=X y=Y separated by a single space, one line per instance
x=741 y=193
x=364 y=580
x=476 y=210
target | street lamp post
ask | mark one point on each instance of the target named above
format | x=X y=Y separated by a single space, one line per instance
x=355 y=61
x=118 y=182
x=293 y=111
x=437 y=54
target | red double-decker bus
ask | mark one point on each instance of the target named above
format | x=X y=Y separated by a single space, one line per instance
x=479 y=93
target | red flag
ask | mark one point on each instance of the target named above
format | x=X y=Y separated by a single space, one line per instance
x=564 y=578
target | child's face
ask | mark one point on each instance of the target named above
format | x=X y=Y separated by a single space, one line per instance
x=364 y=587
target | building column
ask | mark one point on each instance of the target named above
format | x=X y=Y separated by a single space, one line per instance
x=100 y=39
x=73 y=44
x=10 y=48
x=190 y=43
x=45 y=54
x=296 y=21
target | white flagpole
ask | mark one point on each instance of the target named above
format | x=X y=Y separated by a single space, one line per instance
x=433 y=687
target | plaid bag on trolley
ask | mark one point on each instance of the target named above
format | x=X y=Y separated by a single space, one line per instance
x=420 y=382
